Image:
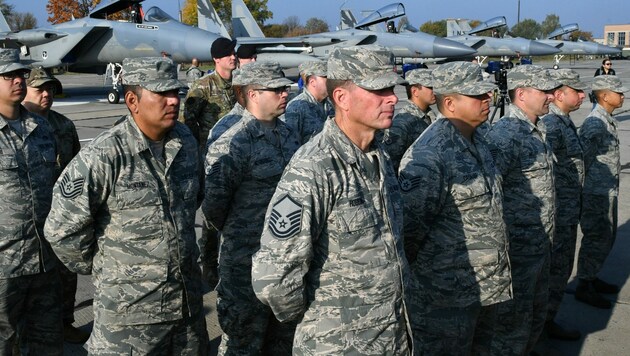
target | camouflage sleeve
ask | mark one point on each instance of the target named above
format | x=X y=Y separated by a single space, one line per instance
x=590 y=136
x=502 y=147
x=77 y=197
x=293 y=223
x=424 y=189
x=223 y=174
x=553 y=134
x=194 y=105
x=293 y=117
x=396 y=140
x=76 y=143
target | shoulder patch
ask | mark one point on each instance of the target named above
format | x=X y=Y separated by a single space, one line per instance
x=71 y=189
x=213 y=169
x=286 y=218
x=408 y=184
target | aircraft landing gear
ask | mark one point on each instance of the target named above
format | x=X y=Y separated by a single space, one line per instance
x=113 y=97
x=113 y=78
x=557 y=59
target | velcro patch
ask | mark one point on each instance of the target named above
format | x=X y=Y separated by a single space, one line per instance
x=71 y=189
x=408 y=184
x=286 y=218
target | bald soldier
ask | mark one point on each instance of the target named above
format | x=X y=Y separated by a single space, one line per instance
x=331 y=254
x=124 y=211
x=455 y=236
x=413 y=118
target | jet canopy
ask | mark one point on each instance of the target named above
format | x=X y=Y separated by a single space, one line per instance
x=155 y=14
x=385 y=13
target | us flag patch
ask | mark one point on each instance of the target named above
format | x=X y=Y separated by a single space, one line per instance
x=71 y=189
x=286 y=218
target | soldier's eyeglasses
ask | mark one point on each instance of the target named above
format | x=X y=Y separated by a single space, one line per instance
x=278 y=90
x=16 y=74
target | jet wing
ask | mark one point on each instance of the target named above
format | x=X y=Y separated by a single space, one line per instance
x=32 y=37
x=67 y=49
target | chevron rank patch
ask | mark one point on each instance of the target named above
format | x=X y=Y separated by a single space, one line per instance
x=408 y=184
x=71 y=189
x=286 y=218
x=213 y=169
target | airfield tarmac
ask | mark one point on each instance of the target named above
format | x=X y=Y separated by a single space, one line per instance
x=605 y=332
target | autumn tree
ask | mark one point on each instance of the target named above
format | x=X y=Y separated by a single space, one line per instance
x=315 y=25
x=17 y=21
x=527 y=28
x=581 y=35
x=274 y=30
x=63 y=10
x=189 y=13
x=435 y=28
x=549 y=24
x=258 y=8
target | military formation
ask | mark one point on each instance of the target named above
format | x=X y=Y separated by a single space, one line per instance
x=332 y=224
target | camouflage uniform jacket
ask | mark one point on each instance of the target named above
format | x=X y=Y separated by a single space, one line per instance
x=568 y=167
x=224 y=124
x=209 y=98
x=27 y=168
x=306 y=115
x=407 y=126
x=243 y=167
x=600 y=142
x=525 y=160
x=332 y=253
x=129 y=219
x=455 y=236
x=67 y=139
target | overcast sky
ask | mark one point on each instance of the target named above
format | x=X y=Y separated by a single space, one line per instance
x=590 y=15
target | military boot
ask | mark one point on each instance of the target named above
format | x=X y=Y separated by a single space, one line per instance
x=586 y=293
x=604 y=287
x=74 y=335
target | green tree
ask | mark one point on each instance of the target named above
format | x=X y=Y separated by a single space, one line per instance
x=258 y=8
x=189 y=13
x=436 y=28
x=581 y=35
x=315 y=25
x=274 y=30
x=550 y=23
x=527 y=28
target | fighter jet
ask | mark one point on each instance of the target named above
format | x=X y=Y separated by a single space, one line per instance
x=320 y=45
x=90 y=44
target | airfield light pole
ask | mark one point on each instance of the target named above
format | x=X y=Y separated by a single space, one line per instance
x=518 y=14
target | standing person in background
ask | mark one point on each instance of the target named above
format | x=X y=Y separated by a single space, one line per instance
x=30 y=288
x=600 y=141
x=39 y=100
x=193 y=73
x=568 y=172
x=413 y=118
x=605 y=69
x=246 y=54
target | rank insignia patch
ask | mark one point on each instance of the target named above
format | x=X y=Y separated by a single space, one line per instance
x=71 y=188
x=286 y=218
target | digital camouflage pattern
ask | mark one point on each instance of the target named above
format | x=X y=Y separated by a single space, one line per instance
x=532 y=76
x=10 y=61
x=460 y=77
x=39 y=77
x=265 y=74
x=243 y=167
x=568 y=170
x=331 y=253
x=224 y=123
x=369 y=67
x=208 y=99
x=407 y=126
x=420 y=76
x=129 y=220
x=525 y=160
x=608 y=82
x=67 y=139
x=455 y=236
x=600 y=140
x=568 y=77
x=306 y=115
x=156 y=74
x=27 y=172
x=317 y=68
x=193 y=73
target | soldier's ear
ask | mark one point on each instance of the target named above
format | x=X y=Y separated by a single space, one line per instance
x=131 y=99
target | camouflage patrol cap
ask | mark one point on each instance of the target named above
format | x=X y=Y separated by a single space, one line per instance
x=368 y=67
x=568 y=77
x=420 y=76
x=10 y=61
x=317 y=68
x=530 y=76
x=460 y=78
x=266 y=74
x=39 y=76
x=608 y=82
x=236 y=77
x=156 y=74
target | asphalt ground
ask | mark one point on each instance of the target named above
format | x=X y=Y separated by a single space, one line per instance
x=604 y=332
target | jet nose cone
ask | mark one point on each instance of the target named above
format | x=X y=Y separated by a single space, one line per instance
x=447 y=48
x=541 y=49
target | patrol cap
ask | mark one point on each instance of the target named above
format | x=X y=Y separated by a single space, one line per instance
x=369 y=67
x=222 y=47
x=39 y=77
x=155 y=74
x=460 y=78
x=266 y=74
x=530 y=76
x=568 y=77
x=10 y=61
x=317 y=68
x=236 y=77
x=608 y=82
x=420 y=76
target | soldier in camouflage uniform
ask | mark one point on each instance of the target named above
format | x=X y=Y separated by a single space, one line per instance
x=124 y=211
x=209 y=99
x=455 y=236
x=243 y=167
x=600 y=141
x=39 y=100
x=232 y=117
x=525 y=159
x=307 y=112
x=331 y=254
x=568 y=176
x=30 y=289
x=413 y=118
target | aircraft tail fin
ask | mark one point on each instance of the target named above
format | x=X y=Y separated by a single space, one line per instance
x=464 y=26
x=4 y=26
x=209 y=20
x=347 y=19
x=243 y=23
x=453 y=28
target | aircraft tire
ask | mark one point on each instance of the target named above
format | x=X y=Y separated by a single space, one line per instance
x=113 y=97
